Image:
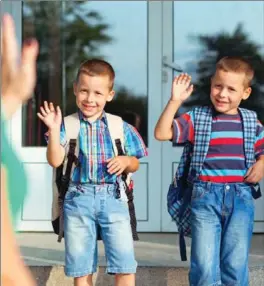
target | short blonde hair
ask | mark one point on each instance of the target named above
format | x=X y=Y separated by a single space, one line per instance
x=97 y=67
x=237 y=65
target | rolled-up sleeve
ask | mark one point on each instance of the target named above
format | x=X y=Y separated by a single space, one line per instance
x=259 y=143
x=183 y=129
x=134 y=144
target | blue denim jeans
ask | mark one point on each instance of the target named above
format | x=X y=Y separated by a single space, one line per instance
x=87 y=210
x=222 y=226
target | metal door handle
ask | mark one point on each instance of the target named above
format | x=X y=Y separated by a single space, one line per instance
x=171 y=65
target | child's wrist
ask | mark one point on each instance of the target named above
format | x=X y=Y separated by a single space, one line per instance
x=128 y=160
x=261 y=158
x=9 y=105
x=176 y=101
x=53 y=130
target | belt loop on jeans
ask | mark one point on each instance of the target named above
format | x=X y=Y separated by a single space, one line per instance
x=208 y=186
x=111 y=187
x=237 y=187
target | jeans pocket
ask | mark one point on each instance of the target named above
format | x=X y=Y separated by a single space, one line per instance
x=245 y=193
x=198 y=192
x=70 y=194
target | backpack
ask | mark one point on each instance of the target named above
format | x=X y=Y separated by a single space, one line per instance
x=191 y=163
x=62 y=174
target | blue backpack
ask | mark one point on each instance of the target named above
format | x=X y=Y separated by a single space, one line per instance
x=191 y=163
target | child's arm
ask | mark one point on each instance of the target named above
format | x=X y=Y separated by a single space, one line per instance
x=55 y=152
x=256 y=173
x=134 y=150
x=181 y=90
x=133 y=164
x=52 y=118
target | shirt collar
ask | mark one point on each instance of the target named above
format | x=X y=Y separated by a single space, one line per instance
x=102 y=117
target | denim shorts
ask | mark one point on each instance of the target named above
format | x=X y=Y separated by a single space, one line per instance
x=89 y=209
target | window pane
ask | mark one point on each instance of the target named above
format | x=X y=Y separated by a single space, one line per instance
x=70 y=32
x=201 y=39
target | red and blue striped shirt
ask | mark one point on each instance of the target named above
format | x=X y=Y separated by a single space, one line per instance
x=225 y=160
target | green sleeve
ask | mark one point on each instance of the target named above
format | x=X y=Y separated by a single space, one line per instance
x=16 y=176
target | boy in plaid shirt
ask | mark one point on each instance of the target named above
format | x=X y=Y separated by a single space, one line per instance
x=91 y=202
x=222 y=206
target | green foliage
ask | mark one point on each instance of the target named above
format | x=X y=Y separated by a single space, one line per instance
x=69 y=34
x=214 y=47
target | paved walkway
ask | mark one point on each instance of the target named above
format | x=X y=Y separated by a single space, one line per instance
x=42 y=249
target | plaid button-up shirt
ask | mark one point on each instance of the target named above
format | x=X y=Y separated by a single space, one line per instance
x=96 y=147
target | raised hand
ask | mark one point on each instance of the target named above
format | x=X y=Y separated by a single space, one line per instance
x=51 y=117
x=18 y=70
x=181 y=88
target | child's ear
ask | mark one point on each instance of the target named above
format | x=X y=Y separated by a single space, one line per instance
x=247 y=93
x=110 y=96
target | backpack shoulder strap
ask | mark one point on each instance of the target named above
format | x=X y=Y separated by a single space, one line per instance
x=72 y=129
x=249 y=121
x=116 y=130
x=115 y=126
x=72 y=126
x=202 y=133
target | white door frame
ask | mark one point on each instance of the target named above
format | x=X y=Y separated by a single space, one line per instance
x=170 y=155
x=34 y=158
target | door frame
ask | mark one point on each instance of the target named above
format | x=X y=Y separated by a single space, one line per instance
x=169 y=162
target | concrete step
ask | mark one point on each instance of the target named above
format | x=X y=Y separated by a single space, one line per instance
x=146 y=276
x=157 y=255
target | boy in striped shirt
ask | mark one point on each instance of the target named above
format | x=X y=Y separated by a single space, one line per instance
x=91 y=203
x=222 y=205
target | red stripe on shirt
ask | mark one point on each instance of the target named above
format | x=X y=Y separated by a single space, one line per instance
x=259 y=143
x=188 y=118
x=222 y=179
x=227 y=141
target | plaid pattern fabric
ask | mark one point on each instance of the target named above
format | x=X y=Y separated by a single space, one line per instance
x=202 y=135
x=249 y=119
x=96 y=147
x=191 y=163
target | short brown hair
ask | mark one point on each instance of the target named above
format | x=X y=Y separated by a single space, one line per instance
x=97 y=67
x=238 y=65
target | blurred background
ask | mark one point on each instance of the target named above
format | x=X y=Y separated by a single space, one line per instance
x=148 y=43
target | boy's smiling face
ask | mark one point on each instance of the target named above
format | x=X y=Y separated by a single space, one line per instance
x=228 y=90
x=92 y=93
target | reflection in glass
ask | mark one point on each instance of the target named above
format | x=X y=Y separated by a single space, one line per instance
x=201 y=39
x=71 y=32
